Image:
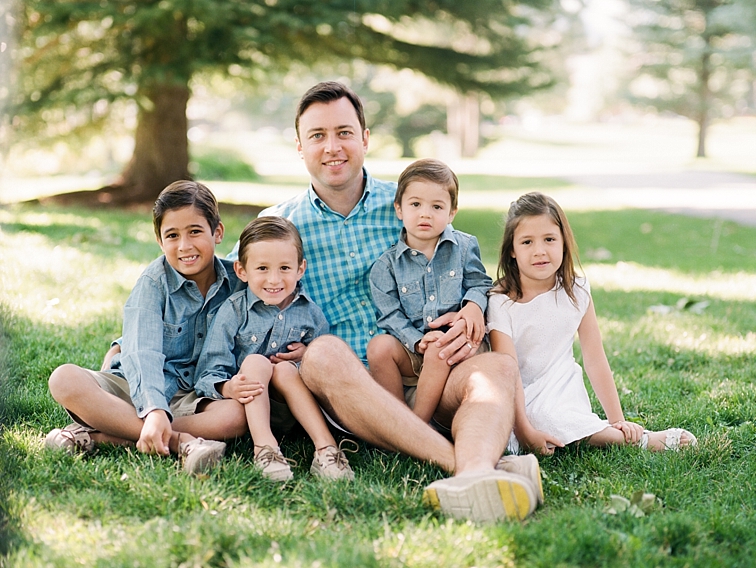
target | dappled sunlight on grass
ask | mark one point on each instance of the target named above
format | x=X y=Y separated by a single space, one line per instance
x=61 y=284
x=630 y=276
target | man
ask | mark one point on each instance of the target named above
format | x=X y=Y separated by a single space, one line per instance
x=347 y=220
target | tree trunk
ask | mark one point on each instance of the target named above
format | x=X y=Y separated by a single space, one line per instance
x=704 y=99
x=464 y=124
x=161 y=149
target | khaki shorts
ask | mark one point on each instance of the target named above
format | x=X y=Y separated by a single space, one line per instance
x=184 y=403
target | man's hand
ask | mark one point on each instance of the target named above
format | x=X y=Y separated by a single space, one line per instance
x=156 y=433
x=295 y=354
x=454 y=344
x=241 y=388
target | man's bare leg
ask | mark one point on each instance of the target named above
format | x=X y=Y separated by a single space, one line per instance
x=478 y=402
x=345 y=389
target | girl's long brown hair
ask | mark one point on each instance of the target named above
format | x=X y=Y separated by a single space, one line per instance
x=508 y=275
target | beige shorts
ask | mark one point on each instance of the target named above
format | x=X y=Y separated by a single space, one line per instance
x=184 y=403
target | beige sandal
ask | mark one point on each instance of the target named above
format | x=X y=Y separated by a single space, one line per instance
x=672 y=440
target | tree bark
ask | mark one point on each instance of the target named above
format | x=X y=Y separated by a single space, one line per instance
x=161 y=149
x=464 y=124
x=704 y=99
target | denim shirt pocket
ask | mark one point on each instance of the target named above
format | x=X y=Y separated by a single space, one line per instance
x=250 y=341
x=298 y=335
x=177 y=340
x=450 y=288
x=411 y=298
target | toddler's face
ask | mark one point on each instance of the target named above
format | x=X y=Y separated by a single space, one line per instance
x=425 y=209
x=272 y=271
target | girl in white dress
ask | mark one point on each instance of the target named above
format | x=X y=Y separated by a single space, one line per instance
x=535 y=308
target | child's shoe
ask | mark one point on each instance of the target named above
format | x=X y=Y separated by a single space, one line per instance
x=73 y=438
x=673 y=439
x=273 y=464
x=527 y=466
x=331 y=462
x=200 y=455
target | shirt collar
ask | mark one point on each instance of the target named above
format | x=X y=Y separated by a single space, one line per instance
x=447 y=235
x=176 y=280
x=321 y=205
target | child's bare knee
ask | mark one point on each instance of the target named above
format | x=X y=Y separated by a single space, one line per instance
x=257 y=366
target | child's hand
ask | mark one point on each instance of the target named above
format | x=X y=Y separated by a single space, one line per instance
x=474 y=321
x=540 y=442
x=429 y=337
x=242 y=389
x=156 y=433
x=295 y=354
x=633 y=432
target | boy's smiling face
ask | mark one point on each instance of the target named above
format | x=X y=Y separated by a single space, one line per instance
x=271 y=271
x=189 y=243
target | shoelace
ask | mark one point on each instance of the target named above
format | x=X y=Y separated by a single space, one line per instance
x=72 y=435
x=339 y=457
x=268 y=454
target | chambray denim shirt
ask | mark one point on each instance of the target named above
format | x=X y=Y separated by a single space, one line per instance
x=246 y=325
x=409 y=291
x=340 y=252
x=165 y=322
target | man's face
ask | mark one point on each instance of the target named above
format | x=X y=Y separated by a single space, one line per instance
x=332 y=145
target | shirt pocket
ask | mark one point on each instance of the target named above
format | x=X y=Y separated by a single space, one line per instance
x=450 y=288
x=411 y=299
x=177 y=340
x=299 y=335
x=251 y=341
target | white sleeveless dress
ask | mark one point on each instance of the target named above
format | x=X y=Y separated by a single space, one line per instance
x=543 y=331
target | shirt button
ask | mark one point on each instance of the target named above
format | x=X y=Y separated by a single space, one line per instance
x=351 y=254
x=429 y=319
x=428 y=269
x=303 y=334
x=357 y=281
x=274 y=345
x=363 y=303
x=432 y=297
x=371 y=332
x=451 y=273
x=280 y=316
x=254 y=338
x=404 y=290
x=414 y=253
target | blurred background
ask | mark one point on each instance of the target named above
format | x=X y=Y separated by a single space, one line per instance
x=114 y=100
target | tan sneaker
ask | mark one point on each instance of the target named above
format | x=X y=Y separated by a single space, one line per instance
x=527 y=466
x=73 y=438
x=331 y=462
x=483 y=496
x=273 y=464
x=200 y=455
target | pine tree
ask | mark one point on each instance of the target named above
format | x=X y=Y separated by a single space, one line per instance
x=77 y=58
x=698 y=55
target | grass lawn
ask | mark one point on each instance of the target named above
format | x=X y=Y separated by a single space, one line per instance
x=65 y=274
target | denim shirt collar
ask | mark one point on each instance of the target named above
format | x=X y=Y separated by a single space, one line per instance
x=402 y=247
x=322 y=206
x=253 y=300
x=175 y=280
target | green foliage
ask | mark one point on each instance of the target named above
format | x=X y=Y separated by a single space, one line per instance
x=223 y=165
x=76 y=59
x=121 y=508
x=695 y=57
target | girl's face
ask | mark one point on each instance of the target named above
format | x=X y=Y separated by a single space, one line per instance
x=188 y=243
x=538 y=248
x=272 y=271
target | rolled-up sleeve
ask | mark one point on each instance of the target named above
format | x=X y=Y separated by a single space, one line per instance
x=217 y=362
x=476 y=282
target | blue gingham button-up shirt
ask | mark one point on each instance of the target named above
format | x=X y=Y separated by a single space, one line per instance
x=246 y=325
x=340 y=252
x=409 y=291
